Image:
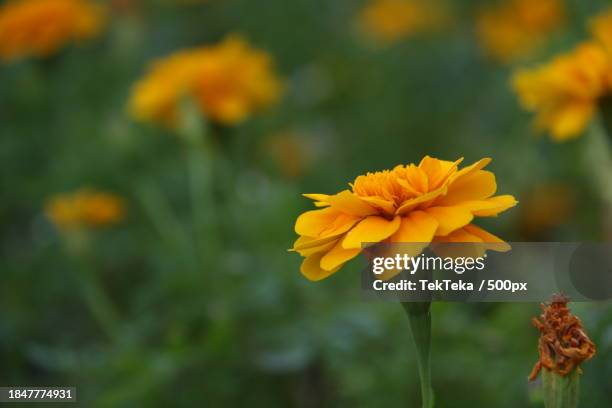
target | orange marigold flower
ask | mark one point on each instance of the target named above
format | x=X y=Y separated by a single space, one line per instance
x=515 y=28
x=563 y=344
x=390 y=20
x=564 y=93
x=84 y=208
x=228 y=82
x=432 y=201
x=41 y=27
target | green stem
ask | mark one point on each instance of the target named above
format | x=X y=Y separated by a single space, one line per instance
x=200 y=187
x=99 y=304
x=194 y=131
x=419 y=316
x=599 y=160
x=598 y=152
x=165 y=221
x=560 y=392
x=95 y=297
x=605 y=114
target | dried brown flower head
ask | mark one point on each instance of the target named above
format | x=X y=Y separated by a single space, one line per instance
x=563 y=344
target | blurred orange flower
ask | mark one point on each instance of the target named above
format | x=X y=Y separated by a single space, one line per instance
x=84 y=208
x=433 y=201
x=515 y=28
x=40 y=27
x=546 y=207
x=293 y=151
x=601 y=29
x=564 y=93
x=390 y=20
x=228 y=82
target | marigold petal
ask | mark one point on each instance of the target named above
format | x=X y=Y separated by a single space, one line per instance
x=371 y=229
x=306 y=246
x=320 y=200
x=485 y=236
x=471 y=245
x=470 y=234
x=318 y=197
x=338 y=256
x=417 y=177
x=311 y=268
x=438 y=171
x=384 y=205
x=312 y=223
x=349 y=203
x=477 y=241
x=491 y=206
x=475 y=186
x=466 y=171
x=324 y=223
x=569 y=122
x=418 y=229
x=418 y=226
x=413 y=203
x=450 y=218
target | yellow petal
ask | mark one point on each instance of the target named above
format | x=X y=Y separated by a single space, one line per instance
x=307 y=246
x=477 y=242
x=338 y=256
x=418 y=226
x=479 y=165
x=371 y=229
x=323 y=198
x=570 y=122
x=407 y=186
x=475 y=186
x=323 y=223
x=460 y=235
x=417 y=178
x=469 y=245
x=384 y=205
x=311 y=268
x=414 y=234
x=409 y=205
x=430 y=166
x=349 y=203
x=498 y=244
x=438 y=171
x=450 y=218
x=491 y=206
x=312 y=223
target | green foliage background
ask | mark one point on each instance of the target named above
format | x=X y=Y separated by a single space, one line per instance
x=238 y=325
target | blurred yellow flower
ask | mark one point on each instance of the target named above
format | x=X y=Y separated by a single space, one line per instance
x=228 y=82
x=564 y=93
x=601 y=29
x=433 y=201
x=390 y=20
x=515 y=28
x=84 y=208
x=41 y=27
